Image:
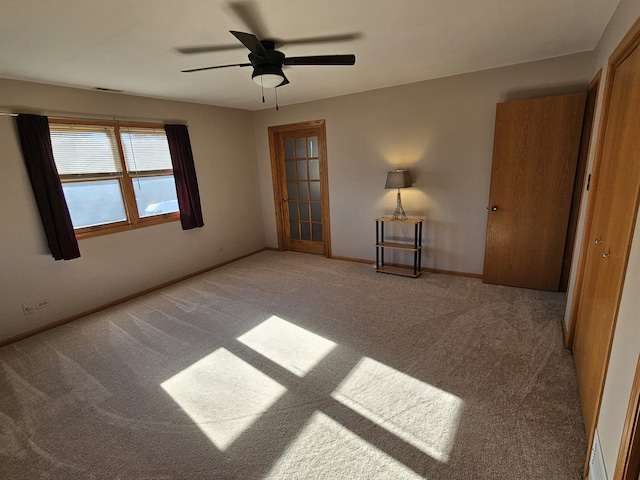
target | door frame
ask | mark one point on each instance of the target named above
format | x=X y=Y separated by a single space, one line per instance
x=277 y=174
x=594 y=88
x=581 y=176
x=629 y=43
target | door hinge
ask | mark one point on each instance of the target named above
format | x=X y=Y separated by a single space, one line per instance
x=588 y=182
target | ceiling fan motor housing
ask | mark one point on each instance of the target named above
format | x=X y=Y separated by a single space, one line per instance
x=273 y=57
x=269 y=67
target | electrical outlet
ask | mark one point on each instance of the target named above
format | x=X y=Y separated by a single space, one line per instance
x=42 y=303
x=27 y=308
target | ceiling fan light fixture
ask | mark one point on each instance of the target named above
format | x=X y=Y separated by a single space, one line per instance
x=268 y=76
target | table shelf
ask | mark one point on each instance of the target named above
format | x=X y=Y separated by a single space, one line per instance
x=406 y=244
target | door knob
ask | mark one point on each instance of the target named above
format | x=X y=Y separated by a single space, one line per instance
x=494 y=208
x=285 y=199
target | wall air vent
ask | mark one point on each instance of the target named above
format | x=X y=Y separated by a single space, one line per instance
x=597 y=470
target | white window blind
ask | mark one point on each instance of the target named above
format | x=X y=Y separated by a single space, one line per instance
x=114 y=175
x=85 y=150
x=145 y=150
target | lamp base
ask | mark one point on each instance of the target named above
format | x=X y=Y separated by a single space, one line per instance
x=398 y=213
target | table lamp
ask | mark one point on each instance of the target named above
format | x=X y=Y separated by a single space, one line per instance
x=398 y=179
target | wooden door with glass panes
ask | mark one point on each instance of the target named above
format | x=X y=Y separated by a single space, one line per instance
x=299 y=167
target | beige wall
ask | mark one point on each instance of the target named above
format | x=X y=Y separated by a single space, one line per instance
x=626 y=343
x=442 y=130
x=114 y=266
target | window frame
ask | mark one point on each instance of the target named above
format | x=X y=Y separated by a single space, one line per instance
x=133 y=220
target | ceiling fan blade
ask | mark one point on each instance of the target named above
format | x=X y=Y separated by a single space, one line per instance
x=248 y=13
x=207 y=49
x=191 y=70
x=346 y=37
x=321 y=60
x=252 y=42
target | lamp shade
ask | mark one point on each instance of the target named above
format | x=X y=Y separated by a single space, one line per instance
x=398 y=179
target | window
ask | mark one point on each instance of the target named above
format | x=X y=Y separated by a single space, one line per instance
x=114 y=176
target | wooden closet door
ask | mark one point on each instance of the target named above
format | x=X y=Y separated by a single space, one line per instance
x=614 y=207
x=535 y=154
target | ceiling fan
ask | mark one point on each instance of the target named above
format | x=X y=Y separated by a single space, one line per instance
x=267 y=62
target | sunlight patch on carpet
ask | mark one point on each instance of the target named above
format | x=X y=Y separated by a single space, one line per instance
x=326 y=449
x=419 y=413
x=292 y=347
x=223 y=395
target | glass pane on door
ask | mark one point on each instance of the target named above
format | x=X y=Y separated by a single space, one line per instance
x=293 y=211
x=302 y=168
x=316 y=231
x=301 y=148
x=295 y=233
x=303 y=190
x=291 y=170
x=289 y=149
x=314 y=169
x=316 y=212
x=306 y=231
x=315 y=191
x=312 y=143
x=292 y=191
x=304 y=213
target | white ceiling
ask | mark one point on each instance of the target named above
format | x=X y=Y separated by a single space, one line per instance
x=130 y=45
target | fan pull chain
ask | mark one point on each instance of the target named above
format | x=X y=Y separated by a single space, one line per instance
x=276 y=90
x=262 y=87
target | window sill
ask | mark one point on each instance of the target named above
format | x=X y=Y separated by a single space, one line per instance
x=91 y=232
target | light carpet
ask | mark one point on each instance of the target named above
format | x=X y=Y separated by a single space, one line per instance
x=293 y=366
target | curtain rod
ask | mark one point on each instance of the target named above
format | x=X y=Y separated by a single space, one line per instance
x=98 y=118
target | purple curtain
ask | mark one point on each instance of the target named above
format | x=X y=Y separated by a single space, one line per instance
x=184 y=173
x=38 y=157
